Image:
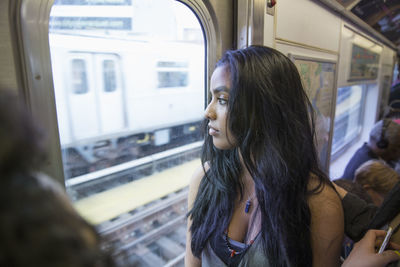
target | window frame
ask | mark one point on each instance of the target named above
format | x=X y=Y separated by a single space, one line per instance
x=32 y=29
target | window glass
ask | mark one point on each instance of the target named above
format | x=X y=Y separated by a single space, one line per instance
x=172 y=79
x=109 y=76
x=79 y=78
x=172 y=74
x=129 y=148
x=348 y=122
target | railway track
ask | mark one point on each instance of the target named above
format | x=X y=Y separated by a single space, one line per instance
x=99 y=181
x=153 y=236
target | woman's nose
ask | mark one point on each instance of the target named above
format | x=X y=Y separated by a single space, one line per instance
x=209 y=113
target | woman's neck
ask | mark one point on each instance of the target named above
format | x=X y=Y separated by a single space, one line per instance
x=247 y=180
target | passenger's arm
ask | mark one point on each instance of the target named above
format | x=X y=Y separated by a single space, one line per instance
x=327 y=227
x=190 y=259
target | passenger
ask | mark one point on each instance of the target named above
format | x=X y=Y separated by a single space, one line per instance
x=395 y=90
x=377 y=179
x=260 y=198
x=392 y=111
x=355 y=189
x=364 y=252
x=38 y=225
x=384 y=143
x=356 y=210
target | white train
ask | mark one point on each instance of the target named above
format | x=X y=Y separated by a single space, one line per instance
x=120 y=99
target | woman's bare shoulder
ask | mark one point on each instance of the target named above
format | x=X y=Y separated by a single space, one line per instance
x=327 y=223
x=323 y=199
x=322 y=191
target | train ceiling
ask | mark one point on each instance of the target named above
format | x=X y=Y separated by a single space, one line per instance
x=381 y=15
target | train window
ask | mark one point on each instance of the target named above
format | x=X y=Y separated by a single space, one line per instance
x=172 y=64
x=348 y=117
x=172 y=74
x=172 y=79
x=109 y=76
x=79 y=78
x=130 y=149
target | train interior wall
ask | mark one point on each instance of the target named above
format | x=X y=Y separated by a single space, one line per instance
x=294 y=30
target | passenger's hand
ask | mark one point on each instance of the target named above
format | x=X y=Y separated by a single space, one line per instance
x=364 y=253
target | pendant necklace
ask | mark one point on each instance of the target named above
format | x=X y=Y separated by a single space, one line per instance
x=248 y=204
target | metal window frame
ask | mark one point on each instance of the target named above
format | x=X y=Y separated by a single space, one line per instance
x=29 y=20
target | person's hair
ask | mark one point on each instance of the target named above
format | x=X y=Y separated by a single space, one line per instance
x=270 y=117
x=38 y=225
x=392 y=110
x=21 y=141
x=378 y=175
x=39 y=228
x=354 y=188
x=391 y=134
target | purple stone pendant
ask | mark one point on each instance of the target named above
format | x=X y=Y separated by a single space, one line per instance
x=247 y=208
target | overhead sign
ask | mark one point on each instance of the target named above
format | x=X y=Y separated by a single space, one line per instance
x=90 y=23
x=93 y=2
x=364 y=64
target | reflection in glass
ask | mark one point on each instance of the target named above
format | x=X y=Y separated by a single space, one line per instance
x=348 y=116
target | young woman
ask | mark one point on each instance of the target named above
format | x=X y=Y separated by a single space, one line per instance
x=260 y=198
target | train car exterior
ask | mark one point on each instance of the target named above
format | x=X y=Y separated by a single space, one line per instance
x=120 y=87
x=100 y=120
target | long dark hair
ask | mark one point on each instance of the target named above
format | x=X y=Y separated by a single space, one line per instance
x=271 y=119
x=22 y=143
x=37 y=226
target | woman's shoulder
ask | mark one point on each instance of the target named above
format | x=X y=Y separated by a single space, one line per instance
x=325 y=206
x=327 y=222
x=322 y=193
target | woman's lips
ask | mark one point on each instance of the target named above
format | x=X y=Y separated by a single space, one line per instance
x=212 y=131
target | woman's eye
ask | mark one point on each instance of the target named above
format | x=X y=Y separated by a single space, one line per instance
x=222 y=101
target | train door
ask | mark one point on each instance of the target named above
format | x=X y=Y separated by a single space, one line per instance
x=81 y=95
x=357 y=104
x=110 y=93
x=95 y=105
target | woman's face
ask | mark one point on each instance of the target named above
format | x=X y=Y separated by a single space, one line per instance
x=217 y=110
